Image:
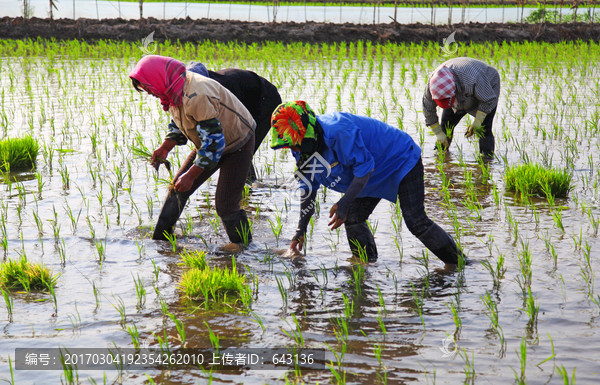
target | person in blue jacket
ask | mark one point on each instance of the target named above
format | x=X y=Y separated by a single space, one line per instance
x=365 y=159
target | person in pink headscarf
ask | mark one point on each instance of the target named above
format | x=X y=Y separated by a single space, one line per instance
x=219 y=126
x=460 y=86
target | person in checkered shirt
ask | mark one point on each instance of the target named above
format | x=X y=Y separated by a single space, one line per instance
x=463 y=86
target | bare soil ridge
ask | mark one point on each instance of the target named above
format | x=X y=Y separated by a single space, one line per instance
x=196 y=30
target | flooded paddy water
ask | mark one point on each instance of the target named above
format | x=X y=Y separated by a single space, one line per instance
x=85 y=211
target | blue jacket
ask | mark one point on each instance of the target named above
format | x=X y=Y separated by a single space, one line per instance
x=355 y=146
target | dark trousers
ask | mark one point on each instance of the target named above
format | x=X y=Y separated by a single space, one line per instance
x=269 y=100
x=232 y=177
x=411 y=195
x=233 y=168
x=486 y=143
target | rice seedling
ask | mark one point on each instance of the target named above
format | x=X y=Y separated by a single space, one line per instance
x=9 y=302
x=12 y=373
x=24 y=275
x=163 y=342
x=140 y=291
x=454 y=308
x=520 y=376
x=172 y=238
x=135 y=335
x=496 y=272
x=18 y=154
x=564 y=375
x=221 y=285
x=70 y=372
x=492 y=313
x=214 y=339
x=214 y=223
x=282 y=290
x=100 y=251
x=180 y=329
x=245 y=232
x=340 y=322
x=532 y=308
x=276 y=227
x=529 y=179
x=120 y=308
x=96 y=292
x=258 y=319
x=195 y=259
x=557 y=217
x=419 y=303
x=525 y=260
x=469 y=368
x=295 y=333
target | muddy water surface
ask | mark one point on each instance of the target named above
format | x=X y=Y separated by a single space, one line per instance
x=96 y=202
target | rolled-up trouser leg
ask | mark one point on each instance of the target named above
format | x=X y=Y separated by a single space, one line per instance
x=357 y=230
x=230 y=187
x=411 y=194
x=175 y=201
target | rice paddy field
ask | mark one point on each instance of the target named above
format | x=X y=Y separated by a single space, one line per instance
x=524 y=310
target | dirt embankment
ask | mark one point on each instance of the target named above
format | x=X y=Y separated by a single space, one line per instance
x=188 y=30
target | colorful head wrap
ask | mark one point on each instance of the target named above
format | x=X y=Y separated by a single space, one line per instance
x=291 y=124
x=443 y=87
x=163 y=77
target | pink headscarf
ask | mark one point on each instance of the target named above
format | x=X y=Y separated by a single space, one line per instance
x=443 y=87
x=163 y=77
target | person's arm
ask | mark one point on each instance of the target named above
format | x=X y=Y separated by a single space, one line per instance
x=213 y=143
x=173 y=138
x=307 y=209
x=339 y=211
x=429 y=108
x=431 y=119
x=208 y=155
x=174 y=134
x=487 y=99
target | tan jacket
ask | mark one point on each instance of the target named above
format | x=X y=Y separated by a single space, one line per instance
x=205 y=99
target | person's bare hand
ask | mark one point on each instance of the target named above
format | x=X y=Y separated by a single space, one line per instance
x=184 y=182
x=336 y=221
x=296 y=244
x=159 y=155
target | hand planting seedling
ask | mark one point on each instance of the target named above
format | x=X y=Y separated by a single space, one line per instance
x=143 y=153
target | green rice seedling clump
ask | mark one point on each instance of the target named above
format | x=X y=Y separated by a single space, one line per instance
x=221 y=285
x=23 y=275
x=18 y=153
x=534 y=179
x=195 y=259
